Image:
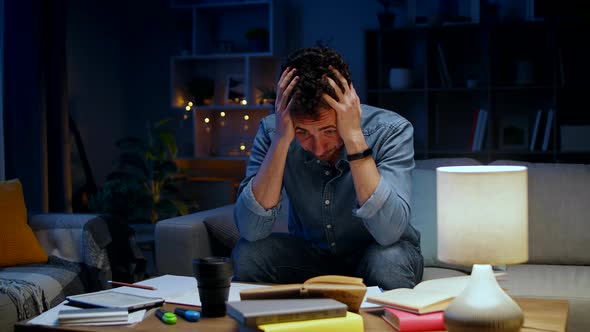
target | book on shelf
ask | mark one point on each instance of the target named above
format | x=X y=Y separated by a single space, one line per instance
x=348 y=290
x=92 y=315
x=548 y=126
x=350 y=323
x=535 y=130
x=446 y=81
x=426 y=297
x=473 y=130
x=404 y=321
x=479 y=131
x=258 y=312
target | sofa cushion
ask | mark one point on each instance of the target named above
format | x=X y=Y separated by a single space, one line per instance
x=52 y=282
x=559 y=210
x=18 y=244
x=423 y=204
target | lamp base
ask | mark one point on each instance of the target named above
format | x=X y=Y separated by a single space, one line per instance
x=483 y=306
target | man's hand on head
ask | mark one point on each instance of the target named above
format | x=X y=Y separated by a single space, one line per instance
x=284 y=123
x=348 y=113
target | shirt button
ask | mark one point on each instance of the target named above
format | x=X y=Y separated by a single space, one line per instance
x=327 y=202
x=327 y=172
x=333 y=244
x=328 y=226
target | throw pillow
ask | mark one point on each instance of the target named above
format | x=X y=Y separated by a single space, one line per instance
x=18 y=244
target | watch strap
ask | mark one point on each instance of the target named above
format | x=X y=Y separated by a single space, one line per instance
x=360 y=155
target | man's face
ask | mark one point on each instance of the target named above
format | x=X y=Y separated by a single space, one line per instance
x=320 y=136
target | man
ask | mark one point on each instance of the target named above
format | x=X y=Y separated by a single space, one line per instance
x=346 y=171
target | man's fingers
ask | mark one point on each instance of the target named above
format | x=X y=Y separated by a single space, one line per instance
x=341 y=79
x=290 y=88
x=337 y=89
x=332 y=102
x=285 y=79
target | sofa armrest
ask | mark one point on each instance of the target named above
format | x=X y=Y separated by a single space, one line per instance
x=79 y=238
x=181 y=239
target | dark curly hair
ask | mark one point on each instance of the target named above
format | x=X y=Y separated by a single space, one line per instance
x=312 y=65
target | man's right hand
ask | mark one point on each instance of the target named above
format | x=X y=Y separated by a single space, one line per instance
x=284 y=123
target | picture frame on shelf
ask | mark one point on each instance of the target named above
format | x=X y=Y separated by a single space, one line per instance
x=235 y=89
x=514 y=132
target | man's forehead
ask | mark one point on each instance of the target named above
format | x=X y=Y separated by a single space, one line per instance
x=327 y=115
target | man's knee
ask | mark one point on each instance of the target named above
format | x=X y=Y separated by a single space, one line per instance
x=397 y=266
x=247 y=258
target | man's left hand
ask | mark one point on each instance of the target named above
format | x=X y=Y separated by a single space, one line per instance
x=348 y=110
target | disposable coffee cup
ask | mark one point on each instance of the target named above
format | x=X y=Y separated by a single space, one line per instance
x=214 y=275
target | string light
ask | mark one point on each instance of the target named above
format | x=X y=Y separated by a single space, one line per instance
x=242 y=146
x=246 y=117
x=207 y=120
x=222 y=114
x=190 y=103
x=187 y=108
x=244 y=102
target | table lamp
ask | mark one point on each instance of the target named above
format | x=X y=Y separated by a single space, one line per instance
x=482 y=219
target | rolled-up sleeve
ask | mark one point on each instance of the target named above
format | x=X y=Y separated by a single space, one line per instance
x=254 y=222
x=386 y=214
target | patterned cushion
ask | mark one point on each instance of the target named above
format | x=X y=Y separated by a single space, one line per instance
x=18 y=244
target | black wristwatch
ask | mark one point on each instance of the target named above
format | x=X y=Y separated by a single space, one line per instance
x=361 y=155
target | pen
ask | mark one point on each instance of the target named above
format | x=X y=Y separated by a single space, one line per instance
x=166 y=316
x=118 y=283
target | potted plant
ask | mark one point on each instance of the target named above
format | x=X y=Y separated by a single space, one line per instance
x=267 y=95
x=387 y=17
x=141 y=189
x=200 y=89
x=258 y=39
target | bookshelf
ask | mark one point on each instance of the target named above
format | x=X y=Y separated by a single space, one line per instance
x=512 y=71
x=227 y=54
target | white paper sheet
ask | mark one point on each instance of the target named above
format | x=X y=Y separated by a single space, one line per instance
x=180 y=289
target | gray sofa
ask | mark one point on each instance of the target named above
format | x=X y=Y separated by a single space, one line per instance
x=78 y=263
x=559 y=235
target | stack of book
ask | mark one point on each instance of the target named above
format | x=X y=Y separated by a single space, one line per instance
x=325 y=303
x=93 y=316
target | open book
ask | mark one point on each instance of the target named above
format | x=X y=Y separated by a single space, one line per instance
x=348 y=290
x=428 y=296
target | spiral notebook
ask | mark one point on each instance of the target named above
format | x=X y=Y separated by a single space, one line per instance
x=111 y=299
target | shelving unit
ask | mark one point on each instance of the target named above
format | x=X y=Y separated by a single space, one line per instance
x=511 y=71
x=212 y=44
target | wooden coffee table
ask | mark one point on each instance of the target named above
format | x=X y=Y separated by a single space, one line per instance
x=539 y=315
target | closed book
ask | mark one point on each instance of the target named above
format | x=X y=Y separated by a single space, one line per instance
x=350 y=323
x=404 y=321
x=258 y=312
x=92 y=315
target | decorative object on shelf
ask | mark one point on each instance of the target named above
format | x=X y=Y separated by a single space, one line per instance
x=514 y=132
x=223 y=46
x=400 y=78
x=267 y=95
x=200 y=90
x=258 y=39
x=235 y=89
x=141 y=189
x=524 y=73
x=482 y=219
x=387 y=17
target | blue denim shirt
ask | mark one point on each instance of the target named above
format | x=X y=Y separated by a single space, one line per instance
x=323 y=207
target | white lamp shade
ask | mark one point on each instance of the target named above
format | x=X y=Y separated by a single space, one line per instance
x=482 y=214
